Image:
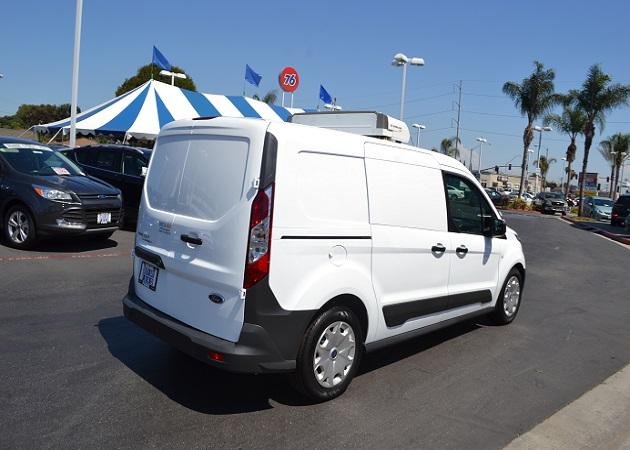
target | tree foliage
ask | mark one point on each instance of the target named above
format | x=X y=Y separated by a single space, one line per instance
x=28 y=115
x=614 y=150
x=571 y=122
x=144 y=74
x=534 y=96
x=450 y=146
x=597 y=97
x=270 y=97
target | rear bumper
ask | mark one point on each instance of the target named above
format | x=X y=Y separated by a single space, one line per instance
x=255 y=352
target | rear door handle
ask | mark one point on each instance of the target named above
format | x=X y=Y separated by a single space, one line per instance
x=461 y=250
x=191 y=239
x=438 y=248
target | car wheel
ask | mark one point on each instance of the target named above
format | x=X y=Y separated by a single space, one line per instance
x=19 y=228
x=509 y=301
x=329 y=355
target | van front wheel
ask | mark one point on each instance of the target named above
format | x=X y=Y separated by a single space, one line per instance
x=329 y=355
x=509 y=300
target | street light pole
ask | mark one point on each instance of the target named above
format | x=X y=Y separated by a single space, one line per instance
x=402 y=60
x=481 y=141
x=75 y=74
x=419 y=127
x=540 y=132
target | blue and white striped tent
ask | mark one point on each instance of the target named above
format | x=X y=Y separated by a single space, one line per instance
x=141 y=112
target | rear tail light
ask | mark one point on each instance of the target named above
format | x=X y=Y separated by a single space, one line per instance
x=259 y=242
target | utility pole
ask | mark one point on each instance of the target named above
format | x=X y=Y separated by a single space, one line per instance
x=459 y=111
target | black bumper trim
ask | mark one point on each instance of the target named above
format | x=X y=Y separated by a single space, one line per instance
x=255 y=352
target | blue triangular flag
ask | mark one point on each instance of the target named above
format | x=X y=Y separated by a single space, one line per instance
x=160 y=60
x=324 y=95
x=251 y=76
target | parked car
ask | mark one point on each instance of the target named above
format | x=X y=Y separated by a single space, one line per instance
x=454 y=193
x=496 y=197
x=550 y=203
x=627 y=227
x=513 y=195
x=43 y=193
x=598 y=207
x=620 y=209
x=223 y=194
x=119 y=165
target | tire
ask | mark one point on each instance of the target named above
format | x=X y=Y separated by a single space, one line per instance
x=102 y=236
x=337 y=326
x=506 y=309
x=19 y=228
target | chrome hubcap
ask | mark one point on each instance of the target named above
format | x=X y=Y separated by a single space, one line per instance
x=18 y=227
x=334 y=354
x=511 y=296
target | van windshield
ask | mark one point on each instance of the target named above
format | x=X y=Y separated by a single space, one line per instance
x=32 y=159
x=200 y=177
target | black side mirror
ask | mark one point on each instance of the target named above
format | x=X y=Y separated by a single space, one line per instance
x=493 y=226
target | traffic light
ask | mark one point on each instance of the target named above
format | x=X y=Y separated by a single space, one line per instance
x=496 y=169
x=607 y=179
x=599 y=187
x=509 y=166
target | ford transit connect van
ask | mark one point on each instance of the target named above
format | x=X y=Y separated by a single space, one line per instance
x=279 y=247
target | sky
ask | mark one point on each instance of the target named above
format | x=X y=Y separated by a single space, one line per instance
x=346 y=46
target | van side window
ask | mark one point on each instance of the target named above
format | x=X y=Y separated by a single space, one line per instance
x=466 y=205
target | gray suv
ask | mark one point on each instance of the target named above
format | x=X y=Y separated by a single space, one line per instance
x=550 y=203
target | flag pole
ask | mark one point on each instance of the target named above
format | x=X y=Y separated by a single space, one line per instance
x=75 y=74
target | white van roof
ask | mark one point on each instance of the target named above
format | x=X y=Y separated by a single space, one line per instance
x=187 y=125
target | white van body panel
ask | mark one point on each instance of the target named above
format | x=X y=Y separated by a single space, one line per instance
x=320 y=239
x=179 y=198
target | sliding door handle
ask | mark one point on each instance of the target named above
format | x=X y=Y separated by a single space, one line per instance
x=461 y=250
x=438 y=248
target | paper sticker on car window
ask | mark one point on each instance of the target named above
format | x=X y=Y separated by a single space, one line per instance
x=60 y=171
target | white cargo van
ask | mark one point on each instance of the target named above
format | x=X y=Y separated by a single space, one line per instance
x=270 y=247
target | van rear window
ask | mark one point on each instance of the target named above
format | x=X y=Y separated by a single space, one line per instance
x=200 y=177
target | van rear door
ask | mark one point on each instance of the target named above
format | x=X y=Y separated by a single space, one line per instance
x=195 y=216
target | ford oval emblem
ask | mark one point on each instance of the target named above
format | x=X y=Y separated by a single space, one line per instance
x=215 y=298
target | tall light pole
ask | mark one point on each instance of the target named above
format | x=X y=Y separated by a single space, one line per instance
x=75 y=74
x=419 y=127
x=481 y=141
x=540 y=132
x=402 y=60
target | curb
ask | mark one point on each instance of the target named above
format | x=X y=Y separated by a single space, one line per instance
x=588 y=227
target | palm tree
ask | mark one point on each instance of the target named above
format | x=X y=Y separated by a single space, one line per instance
x=450 y=147
x=269 y=98
x=571 y=122
x=543 y=164
x=614 y=150
x=596 y=98
x=534 y=97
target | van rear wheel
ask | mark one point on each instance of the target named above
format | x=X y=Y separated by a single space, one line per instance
x=329 y=355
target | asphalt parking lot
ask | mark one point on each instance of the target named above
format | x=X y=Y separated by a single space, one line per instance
x=75 y=373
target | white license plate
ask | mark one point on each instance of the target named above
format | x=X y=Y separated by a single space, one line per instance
x=148 y=275
x=104 y=218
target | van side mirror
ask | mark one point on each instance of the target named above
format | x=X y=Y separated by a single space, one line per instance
x=493 y=226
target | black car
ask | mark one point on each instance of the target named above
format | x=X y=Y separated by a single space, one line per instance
x=550 y=203
x=119 y=165
x=42 y=193
x=496 y=197
x=620 y=210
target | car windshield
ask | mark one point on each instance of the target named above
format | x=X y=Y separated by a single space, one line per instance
x=602 y=202
x=33 y=159
x=554 y=195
